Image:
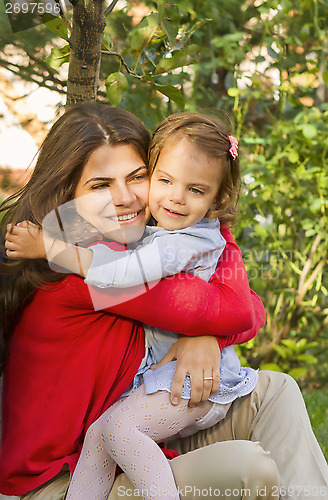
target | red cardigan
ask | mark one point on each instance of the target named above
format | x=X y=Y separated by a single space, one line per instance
x=68 y=362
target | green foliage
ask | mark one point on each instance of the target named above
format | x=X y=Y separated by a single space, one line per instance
x=283 y=232
x=153 y=53
x=24 y=53
x=317 y=403
x=293 y=358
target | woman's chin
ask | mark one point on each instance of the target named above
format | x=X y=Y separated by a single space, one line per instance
x=125 y=234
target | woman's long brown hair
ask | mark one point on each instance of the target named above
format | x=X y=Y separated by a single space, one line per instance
x=62 y=157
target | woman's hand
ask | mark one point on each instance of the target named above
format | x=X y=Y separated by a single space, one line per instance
x=198 y=357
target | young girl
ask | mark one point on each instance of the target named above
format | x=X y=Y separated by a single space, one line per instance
x=194 y=178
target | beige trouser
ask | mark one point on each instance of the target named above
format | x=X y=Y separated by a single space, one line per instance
x=272 y=418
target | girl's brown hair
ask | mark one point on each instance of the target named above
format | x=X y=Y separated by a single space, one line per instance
x=62 y=157
x=210 y=135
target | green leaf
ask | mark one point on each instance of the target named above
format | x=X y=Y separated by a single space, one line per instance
x=309 y=131
x=229 y=40
x=305 y=32
x=160 y=10
x=293 y=157
x=172 y=12
x=116 y=85
x=271 y=366
x=180 y=58
x=315 y=205
x=325 y=77
x=260 y=230
x=291 y=344
x=58 y=56
x=171 y=92
x=148 y=32
x=282 y=351
x=197 y=26
x=273 y=53
x=282 y=230
x=297 y=373
x=171 y=29
x=233 y=91
x=56 y=25
x=307 y=358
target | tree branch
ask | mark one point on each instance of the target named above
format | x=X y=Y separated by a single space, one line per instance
x=17 y=70
x=119 y=56
x=308 y=263
x=312 y=278
x=110 y=7
x=63 y=10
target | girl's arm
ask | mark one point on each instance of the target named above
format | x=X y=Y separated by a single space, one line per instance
x=164 y=253
x=26 y=240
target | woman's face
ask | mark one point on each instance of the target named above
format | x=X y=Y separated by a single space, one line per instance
x=112 y=193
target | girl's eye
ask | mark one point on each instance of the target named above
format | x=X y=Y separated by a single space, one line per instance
x=196 y=191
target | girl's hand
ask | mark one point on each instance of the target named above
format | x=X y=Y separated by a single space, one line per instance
x=25 y=240
x=198 y=357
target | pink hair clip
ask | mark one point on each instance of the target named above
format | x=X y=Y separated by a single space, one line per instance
x=233 y=146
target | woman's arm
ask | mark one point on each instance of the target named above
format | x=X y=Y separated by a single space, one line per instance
x=195 y=308
x=186 y=304
x=225 y=307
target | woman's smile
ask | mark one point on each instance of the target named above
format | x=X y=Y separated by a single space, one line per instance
x=126 y=218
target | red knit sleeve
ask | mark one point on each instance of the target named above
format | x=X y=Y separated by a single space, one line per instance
x=186 y=304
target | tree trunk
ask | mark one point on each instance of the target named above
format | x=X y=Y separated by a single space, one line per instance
x=85 y=43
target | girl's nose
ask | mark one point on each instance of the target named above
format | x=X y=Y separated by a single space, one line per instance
x=177 y=195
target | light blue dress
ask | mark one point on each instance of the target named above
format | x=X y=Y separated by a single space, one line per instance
x=161 y=253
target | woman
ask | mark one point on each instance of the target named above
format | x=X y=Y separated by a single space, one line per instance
x=61 y=373
x=75 y=374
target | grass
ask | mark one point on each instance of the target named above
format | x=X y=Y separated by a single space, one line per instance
x=316 y=402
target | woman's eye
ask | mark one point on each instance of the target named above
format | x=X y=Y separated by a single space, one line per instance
x=164 y=181
x=140 y=177
x=100 y=186
x=196 y=191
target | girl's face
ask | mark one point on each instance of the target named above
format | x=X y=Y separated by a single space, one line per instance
x=183 y=186
x=112 y=193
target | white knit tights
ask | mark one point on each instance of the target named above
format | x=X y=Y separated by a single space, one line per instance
x=126 y=434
